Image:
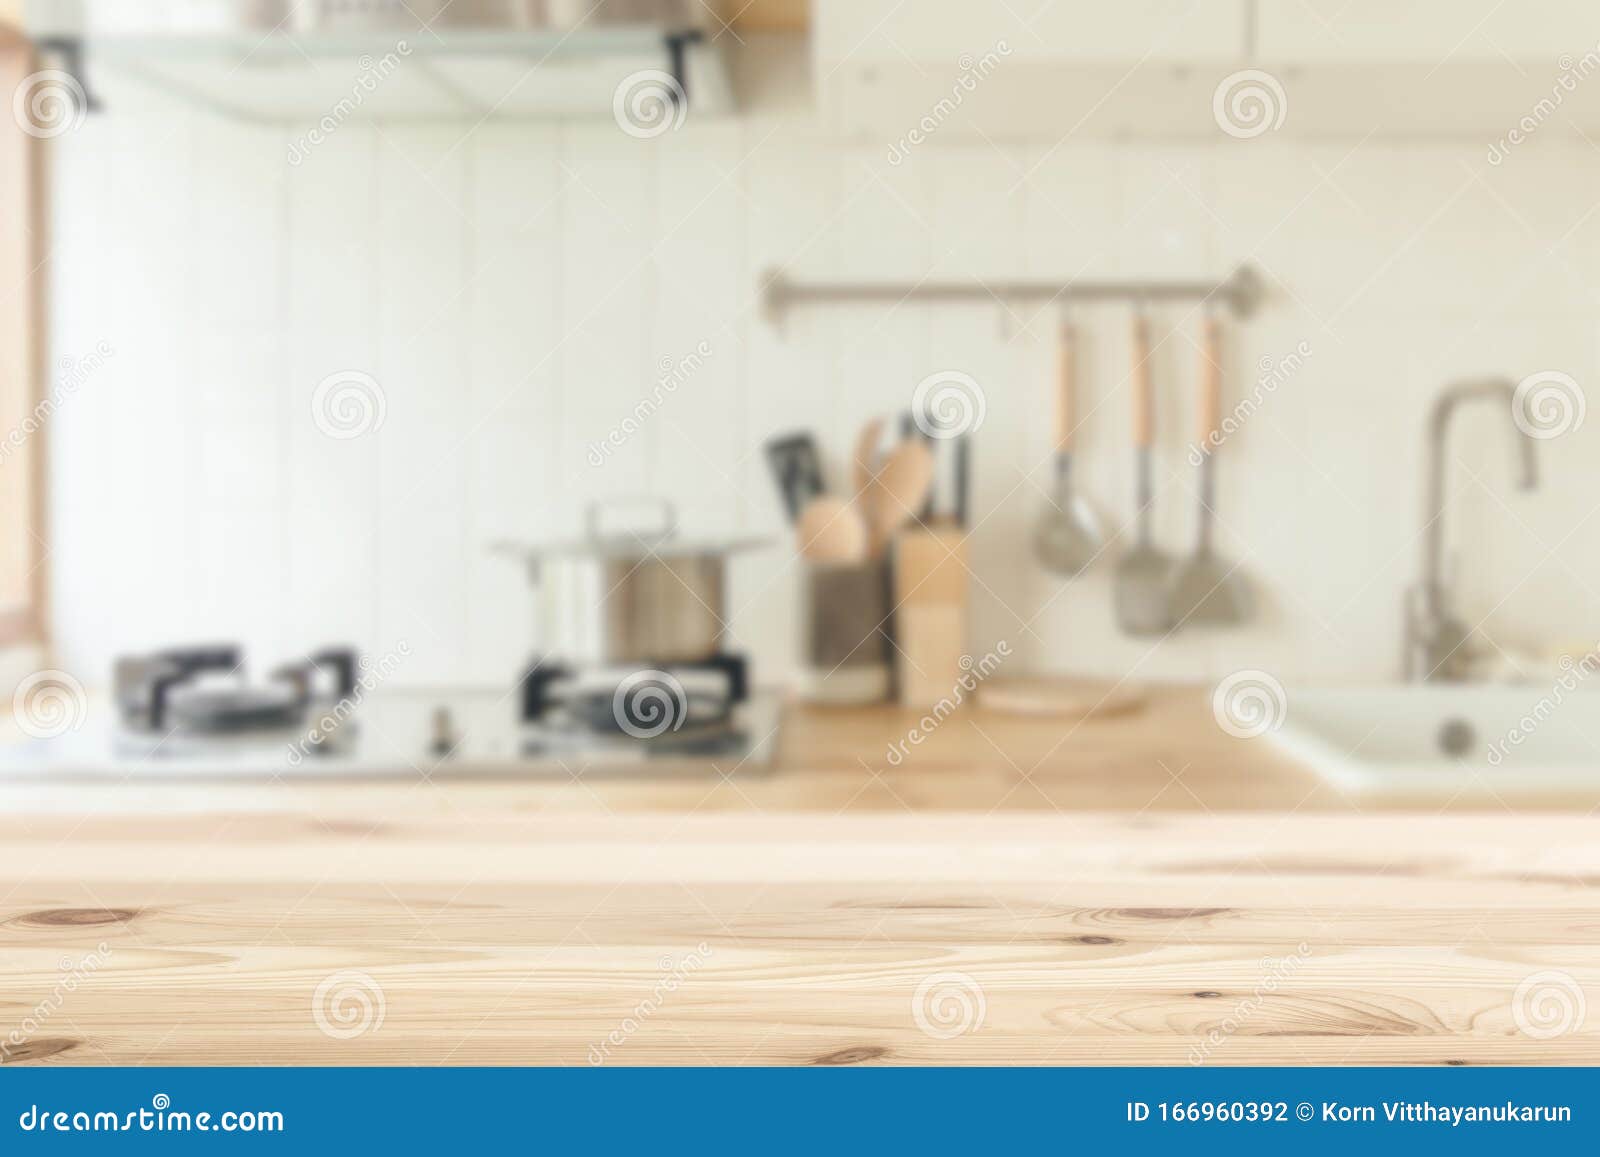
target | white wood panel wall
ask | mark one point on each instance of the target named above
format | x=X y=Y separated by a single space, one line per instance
x=515 y=293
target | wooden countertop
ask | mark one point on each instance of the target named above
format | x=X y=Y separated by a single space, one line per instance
x=1169 y=756
x=1115 y=906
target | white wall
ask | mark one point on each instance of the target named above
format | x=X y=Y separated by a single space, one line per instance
x=514 y=291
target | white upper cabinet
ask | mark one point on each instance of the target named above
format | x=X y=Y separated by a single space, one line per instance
x=1474 y=70
x=1376 y=31
x=883 y=31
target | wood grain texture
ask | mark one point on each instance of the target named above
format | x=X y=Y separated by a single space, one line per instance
x=496 y=937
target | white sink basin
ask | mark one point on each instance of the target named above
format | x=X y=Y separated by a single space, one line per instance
x=1445 y=739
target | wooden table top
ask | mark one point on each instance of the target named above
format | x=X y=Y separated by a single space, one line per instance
x=1110 y=915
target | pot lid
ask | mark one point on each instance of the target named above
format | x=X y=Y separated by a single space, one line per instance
x=628 y=547
x=654 y=537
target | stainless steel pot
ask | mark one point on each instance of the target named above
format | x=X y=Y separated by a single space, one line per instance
x=630 y=596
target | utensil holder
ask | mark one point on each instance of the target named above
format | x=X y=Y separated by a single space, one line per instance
x=931 y=595
x=845 y=641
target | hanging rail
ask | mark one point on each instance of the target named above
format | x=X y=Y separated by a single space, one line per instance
x=1241 y=291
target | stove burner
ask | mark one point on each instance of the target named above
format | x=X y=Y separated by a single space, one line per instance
x=203 y=690
x=670 y=709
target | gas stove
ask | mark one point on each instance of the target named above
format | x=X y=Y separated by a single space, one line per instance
x=650 y=711
x=195 y=700
x=197 y=714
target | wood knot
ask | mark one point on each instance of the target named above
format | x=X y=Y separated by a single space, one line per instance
x=1091 y=940
x=859 y=1055
x=77 y=917
x=35 y=1050
x=1206 y=994
x=1458 y=1062
x=1169 y=913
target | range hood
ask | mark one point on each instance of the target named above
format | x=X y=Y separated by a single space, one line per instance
x=289 y=60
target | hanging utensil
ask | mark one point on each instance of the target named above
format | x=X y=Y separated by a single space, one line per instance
x=1144 y=575
x=1208 y=590
x=1068 y=536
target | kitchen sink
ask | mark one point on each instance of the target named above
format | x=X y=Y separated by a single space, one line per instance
x=1447 y=737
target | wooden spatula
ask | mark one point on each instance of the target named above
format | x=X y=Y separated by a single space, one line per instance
x=901 y=489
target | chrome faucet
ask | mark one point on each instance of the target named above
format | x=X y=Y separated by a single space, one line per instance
x=1435 y=637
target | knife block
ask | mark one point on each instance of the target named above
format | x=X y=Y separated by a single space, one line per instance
x=932 y=590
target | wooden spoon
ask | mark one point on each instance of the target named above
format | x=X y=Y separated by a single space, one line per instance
x=831 y=530
x=864 y=464
x=902 y=489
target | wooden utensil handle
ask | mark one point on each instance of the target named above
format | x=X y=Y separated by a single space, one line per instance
x=1066 y=400
x=1143 y=394
x=1210 y=409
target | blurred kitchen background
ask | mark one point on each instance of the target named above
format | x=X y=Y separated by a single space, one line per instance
x=331 y=351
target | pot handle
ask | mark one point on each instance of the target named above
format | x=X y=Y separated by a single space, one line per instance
x=665 y=527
